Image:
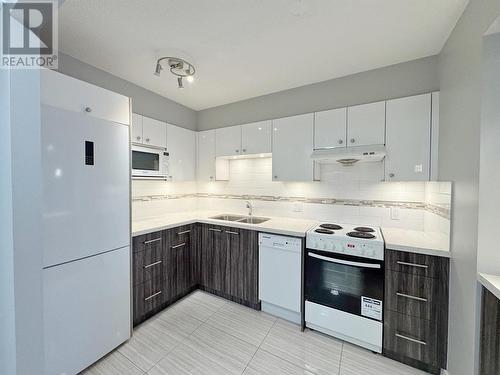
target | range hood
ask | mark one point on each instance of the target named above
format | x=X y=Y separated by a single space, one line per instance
x=350 y=155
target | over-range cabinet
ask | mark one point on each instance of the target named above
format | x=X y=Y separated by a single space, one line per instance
x=85 y=222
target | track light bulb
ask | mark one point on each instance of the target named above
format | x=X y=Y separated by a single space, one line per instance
x=190 y=79
x=179 y=82
x=158 y=69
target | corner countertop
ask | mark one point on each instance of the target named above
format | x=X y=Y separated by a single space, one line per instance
x=415 y=241
x=395 y=238
x=490 y=282
x=277 y=225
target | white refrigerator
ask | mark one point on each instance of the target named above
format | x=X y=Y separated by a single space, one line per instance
x=86 y=238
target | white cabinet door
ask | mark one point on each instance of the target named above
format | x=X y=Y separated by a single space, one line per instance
x=330 y=128
x=154 y=132
x=181 y=146
x=366 y=124
x=228 y=141
x=256 y=138
x=292 y=148
x=206 y=155
x=136 y=134
x=408 y=138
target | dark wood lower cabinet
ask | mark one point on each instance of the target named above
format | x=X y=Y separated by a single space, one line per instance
x=416 y=310
x=229 y=263
x=490 y=334
x=169 y=264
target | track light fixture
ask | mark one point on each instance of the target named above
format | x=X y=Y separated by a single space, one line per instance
x=178 y=67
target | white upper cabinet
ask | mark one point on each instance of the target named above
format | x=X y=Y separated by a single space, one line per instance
x=330 y=128
x=206 y=155
x=136 y=134
x=228 y=141
x=256 y=138
x=181 y=147
x=366 y=124
x=408 y=141
x=154 y=132
x=292 y=148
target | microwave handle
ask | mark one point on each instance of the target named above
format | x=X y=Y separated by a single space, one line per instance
x=346 y=262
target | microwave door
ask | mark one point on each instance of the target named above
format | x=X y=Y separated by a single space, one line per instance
x=145 y=161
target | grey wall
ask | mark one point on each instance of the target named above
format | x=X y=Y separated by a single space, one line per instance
x=7 y=304
x=460 y=106
x=144 y=101
x=410 y=78
x=488 y=256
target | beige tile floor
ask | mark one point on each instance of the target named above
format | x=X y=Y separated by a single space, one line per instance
x=204 y=335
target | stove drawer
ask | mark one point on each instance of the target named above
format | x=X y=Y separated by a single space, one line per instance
x=416 y=264
x=407 y=337
x=414 y=295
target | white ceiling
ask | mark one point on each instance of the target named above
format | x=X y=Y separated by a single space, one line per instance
x=246 y=48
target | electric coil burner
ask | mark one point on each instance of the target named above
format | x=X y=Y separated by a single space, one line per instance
x=324 y=231
x=331 y=226
x=364 y=235
x=364 y=229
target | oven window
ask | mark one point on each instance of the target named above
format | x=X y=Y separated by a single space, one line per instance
x=342 y=286
x=145 y=161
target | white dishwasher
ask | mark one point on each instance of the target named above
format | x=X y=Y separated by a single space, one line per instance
x=280 y=275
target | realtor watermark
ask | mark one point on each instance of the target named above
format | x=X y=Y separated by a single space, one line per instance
x=29 y=34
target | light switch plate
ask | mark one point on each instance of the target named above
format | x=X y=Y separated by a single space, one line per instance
x=419 y=168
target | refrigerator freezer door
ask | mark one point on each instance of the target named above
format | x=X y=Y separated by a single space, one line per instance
x=86 y=310
x=86 y=202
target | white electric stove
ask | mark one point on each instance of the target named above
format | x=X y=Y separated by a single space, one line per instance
x=344 y=282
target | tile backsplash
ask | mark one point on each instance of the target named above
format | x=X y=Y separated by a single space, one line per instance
x=353 y=194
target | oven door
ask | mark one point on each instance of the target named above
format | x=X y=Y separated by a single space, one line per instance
x=149 y=162
x=347 y=283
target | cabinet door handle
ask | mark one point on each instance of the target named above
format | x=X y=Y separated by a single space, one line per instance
x=391 y=175
x=151 y=241
x=409 y=296
x=147 y=139
x=87 y=109
x=152 y=296
x=179 y=245
x=412 y=264
x=231 y=232
x=184 y=232
x=138 y=138
x=153 y=264
x=353 y=140
x=340 y=141
x=410 y=339
x=214 y=230
x=237 y=151
x=244 y=150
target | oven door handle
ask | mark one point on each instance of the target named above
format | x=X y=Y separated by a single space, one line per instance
x=346 y=262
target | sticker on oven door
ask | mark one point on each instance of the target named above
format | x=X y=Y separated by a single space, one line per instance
x=371 y=308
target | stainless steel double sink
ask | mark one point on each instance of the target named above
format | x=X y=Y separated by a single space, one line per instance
x=241 y=219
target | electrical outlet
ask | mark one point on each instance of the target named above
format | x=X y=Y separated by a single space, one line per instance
x=394 y=213
x=298 y=207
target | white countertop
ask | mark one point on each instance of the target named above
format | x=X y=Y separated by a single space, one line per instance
x=490 y=282
x=415 y=241
x=395 y=238
x=278 y=225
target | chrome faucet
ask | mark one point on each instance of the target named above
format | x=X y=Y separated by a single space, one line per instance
x=250 y=208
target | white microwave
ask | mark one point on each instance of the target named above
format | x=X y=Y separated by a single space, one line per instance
x=149 y=162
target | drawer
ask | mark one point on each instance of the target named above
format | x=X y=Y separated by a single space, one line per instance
x=417 y=264
x=148 y=241
x=148 y=299
x=180 y=234
x=414 y=295
x=417 y=339
x=147 y=265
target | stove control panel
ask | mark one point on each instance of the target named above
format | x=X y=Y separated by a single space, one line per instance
x=363 y=249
